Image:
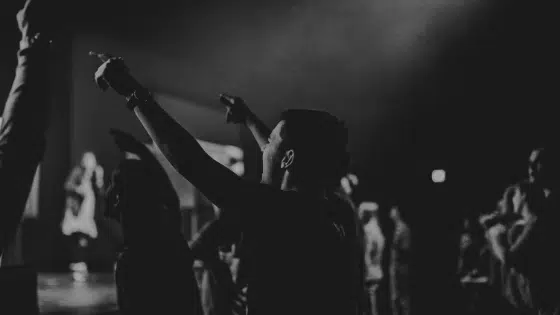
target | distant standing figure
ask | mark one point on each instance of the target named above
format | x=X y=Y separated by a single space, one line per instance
x=82 y=188
x=374 y=243
x=399 y=268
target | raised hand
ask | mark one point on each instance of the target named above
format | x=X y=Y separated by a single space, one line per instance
x=239 y=113
x=237 y=110
x=115 y=74
x=38 y=16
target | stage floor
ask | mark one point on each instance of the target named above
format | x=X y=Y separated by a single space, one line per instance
x=60 y=294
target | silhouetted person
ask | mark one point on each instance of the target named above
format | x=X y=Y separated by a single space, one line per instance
x=83 y=188
x=301 y=261
x=525 y=247
x=374 y=242
x=24 y=123
x=154 y=272
x=400 y=265
x=339 y=193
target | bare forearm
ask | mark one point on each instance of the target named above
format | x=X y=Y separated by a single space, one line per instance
x=179 y=147
x=219 y=184
x=497 y=249
x=523 y=244
x=183 y=151
x=259 y=130
x=497 y=241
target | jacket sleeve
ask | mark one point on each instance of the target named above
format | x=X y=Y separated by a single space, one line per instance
x=22 y=134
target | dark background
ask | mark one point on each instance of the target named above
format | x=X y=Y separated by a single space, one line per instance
x=462 y=85
x=454 y=84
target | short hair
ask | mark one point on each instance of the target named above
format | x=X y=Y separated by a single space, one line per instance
x=319 y=140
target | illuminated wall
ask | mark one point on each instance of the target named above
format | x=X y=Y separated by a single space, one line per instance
x=229 y=156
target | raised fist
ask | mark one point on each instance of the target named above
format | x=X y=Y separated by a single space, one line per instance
x=237 y=110
x=115 y=74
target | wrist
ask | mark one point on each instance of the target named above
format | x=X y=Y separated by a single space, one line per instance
x=138 y=97
x=250 y=118
x=28 y=41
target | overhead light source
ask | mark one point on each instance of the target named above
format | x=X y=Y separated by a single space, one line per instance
x=438 y=176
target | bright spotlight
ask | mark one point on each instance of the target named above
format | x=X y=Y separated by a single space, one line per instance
x=438 y=176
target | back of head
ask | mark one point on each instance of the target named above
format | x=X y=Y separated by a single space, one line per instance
x=319 y=140
x=141 y=194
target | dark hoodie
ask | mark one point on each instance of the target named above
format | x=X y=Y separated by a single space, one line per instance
x=154 y=272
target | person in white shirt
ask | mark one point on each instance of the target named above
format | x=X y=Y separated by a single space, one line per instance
x=374 y=243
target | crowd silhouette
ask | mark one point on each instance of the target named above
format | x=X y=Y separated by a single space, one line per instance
x=329 y=260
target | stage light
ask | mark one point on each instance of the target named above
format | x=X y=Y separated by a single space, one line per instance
x=438 y=176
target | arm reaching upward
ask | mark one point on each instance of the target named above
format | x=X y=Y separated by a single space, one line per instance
x=182 y=150
x=527 y=240
x=22 y=133
x=496 y=239
x=238 y=112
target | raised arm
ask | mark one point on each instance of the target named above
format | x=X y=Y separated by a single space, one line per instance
x=22 y=134
x=496 y=237
x=215 y=181
x=238 y=112
x=527 y=240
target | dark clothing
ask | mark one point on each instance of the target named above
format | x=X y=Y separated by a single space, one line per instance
x=212 y=236
x=354 y=234
x=530 y=273
x=399 y=270
x=300 y=260
x=154 y=274
x=157 y=281
x=299 y=256
x=218 y=291
x=319 y=267
x=22 y=135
